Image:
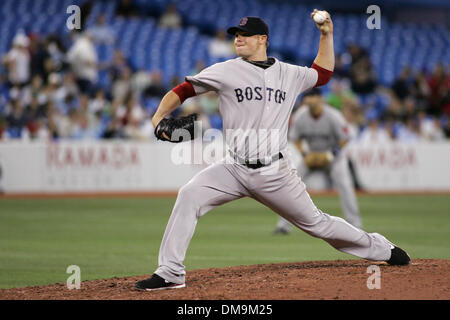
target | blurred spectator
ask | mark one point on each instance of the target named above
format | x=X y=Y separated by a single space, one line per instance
x=126 y=8
x=88 y=125
x=362 y=76
x=37 y=130
x=133 y=119
x=118 y=65
x=353 y=116
x=4 y=135
x=361 y=73
x=410 y=131
x=121 y=87
x=439 y=84
x=83 y=59
x=410 y=108
x=99 y=104
x=137 y=127
x=34 y=91
x=114 y=130
x=430 y=128
x=73 y=126
x=57 y=123
x=47 y=55
x=446 y=127
x=114 y=127
x=402 y=84
x=156 y=87
x=40 y=59
x=355 y=53
x=56 y=93
x=220 y=46
x=391 y=128
x=52 y=129
x=199 y=66
x=83 y=124
x=395 y=111
x=209 y=102
x=101 y=32
x=69 y=86
x=340 y=95
x=420 y=90
x=341 y=68
x=140 y=80
x=57 y=52
x=16 y=119
x=35 y=111
x=374 y=134
x=17 y=61
x=171 y=18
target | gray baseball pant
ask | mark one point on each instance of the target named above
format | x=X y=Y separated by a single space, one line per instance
x=282 y=191
x=341 y=178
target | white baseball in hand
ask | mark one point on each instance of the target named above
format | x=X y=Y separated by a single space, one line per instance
x=320 y=17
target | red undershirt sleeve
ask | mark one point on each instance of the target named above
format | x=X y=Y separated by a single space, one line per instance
x=324 y=75
x=184 y=91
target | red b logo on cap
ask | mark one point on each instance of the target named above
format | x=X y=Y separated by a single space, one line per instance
x=243 y=22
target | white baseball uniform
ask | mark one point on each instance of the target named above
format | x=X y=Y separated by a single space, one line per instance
x=323 y=134
x=252 y=98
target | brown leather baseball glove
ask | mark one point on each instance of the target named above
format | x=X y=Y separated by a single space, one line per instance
x=318 y=160
x=176 y=129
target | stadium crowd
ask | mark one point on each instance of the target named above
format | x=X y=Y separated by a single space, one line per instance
x=50 y=91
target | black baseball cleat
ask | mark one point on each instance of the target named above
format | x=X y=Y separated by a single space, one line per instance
x=157 y=283
x=398 y=257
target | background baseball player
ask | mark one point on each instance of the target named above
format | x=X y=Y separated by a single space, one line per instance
x=256 y=93
x=325 y=132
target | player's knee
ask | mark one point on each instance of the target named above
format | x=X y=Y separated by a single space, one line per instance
x=188 y=193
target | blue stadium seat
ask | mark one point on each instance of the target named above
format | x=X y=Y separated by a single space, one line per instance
x=216 y=121
x=292 y=33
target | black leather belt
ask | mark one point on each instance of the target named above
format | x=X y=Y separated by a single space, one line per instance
x=260 y=164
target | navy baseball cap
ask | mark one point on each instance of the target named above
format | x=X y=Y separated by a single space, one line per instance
x=250 y=25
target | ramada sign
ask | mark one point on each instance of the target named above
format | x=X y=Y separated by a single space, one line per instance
x=115 y=156
x=394 y=157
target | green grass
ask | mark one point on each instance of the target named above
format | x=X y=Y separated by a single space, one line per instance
x=40 y=238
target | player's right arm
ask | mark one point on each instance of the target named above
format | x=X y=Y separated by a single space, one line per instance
x=322 y=68
x=325 y=55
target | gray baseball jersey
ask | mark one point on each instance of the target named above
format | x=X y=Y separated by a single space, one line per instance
x=322 y=134
x=253 y=99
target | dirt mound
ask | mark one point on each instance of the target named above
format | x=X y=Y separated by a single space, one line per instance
x=341 y=279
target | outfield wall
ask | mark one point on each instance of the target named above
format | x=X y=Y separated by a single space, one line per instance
x=122 y=166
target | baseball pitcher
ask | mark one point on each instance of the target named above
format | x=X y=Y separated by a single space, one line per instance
x=325 y=132
x=256 y=97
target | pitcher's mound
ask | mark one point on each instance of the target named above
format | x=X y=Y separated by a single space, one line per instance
x=341 y=279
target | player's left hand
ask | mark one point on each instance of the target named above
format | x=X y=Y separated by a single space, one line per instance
x=176 y=129
x=327 y=26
